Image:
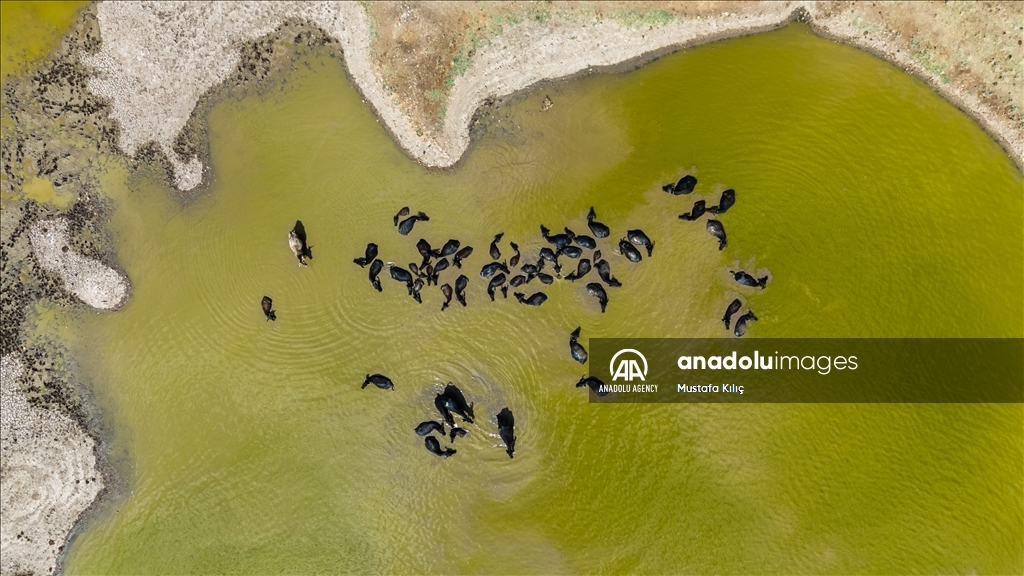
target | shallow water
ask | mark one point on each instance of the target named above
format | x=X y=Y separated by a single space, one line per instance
x=30 y=29
x=878 y=208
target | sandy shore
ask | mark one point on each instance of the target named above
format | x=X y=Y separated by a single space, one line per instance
x=158 y=59
x=49 y=477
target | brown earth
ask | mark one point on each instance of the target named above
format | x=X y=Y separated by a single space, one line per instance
x=419 y=48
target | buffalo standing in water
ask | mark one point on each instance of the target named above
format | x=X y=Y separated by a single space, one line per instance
x=375 y=269
x=697 y=211
x=460 y=289
x=741 y=323
x=517 y=281
x=715 y=229
x=581 y=270
x=458 y=433
x=371 y=253
x=268 y=308
x=401 y=214
x=595 y=384
x=579 y=353
x=534 y=299
x=685 y=185
x=406 y=226
x=429 y=426
x=495 y=253
x=597 y=290
x=748 y=280
x=447 y=291
x=506 y=429
x=462 y=255
x=631 y=254
x=380 y=381
x=604 y=270
x=458 y=402
x=733 y=308
x=726 y=202
x=545 y=278
x=498 y=280
x=435 y=448
x=638 y=237
x=596 y=228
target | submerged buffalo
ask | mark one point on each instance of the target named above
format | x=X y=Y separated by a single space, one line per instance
x=594 y=384
x=597 y=290
x=401 y=214
x=297 y=247
x=534 y=299
x=559 y=240
x=726 y=202
x=458 y=402
x=446 y=289
x=460 y=289
x=638 y=237
x=696 y=212
x=581 y=270
x=741 y=323
x=716 y=229
x=604 y=270
x=268 y=308
x=579 y=353
x=495 y=253
x=375 y=269
x=434 y=447
x=380 y=381
x=371 y=253
x=461 y=255
x=748 y=280
x=631 y=253
x=514 y=260
x=506 y=429
x=598 y=229
x=685 y=185
x=406 y=226
x=429 y=426
x=733 y=308
x=496 y=281
x=449 y=248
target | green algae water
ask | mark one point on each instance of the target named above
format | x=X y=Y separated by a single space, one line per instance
x=879 y=209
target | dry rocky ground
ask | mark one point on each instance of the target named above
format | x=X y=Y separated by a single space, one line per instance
x=420 y=48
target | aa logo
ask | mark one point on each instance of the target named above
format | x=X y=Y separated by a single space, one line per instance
x=627 y=368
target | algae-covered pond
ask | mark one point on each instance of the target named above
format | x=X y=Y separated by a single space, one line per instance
x=879 y=209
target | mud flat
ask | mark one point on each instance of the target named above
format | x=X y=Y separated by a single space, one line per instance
x=158 y=59
x=49 y=477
